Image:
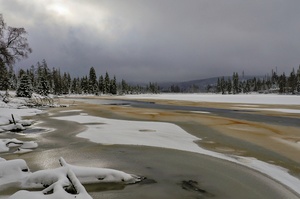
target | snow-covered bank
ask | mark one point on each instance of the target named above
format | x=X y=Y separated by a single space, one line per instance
x=6 y=120
x=14 y=109
x=240 y=98
x=165 y=135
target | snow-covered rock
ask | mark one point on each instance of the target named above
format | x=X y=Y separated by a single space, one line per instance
x=5 y=144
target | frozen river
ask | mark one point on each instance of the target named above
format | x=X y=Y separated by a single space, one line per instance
x=166 y=170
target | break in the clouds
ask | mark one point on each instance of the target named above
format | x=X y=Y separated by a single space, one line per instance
x=160 y=40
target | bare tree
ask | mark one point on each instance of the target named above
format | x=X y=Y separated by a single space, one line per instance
x=13 y=43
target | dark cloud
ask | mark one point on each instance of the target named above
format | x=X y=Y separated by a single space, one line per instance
x=160 y=40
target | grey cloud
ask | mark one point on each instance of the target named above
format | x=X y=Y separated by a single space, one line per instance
x=163 y=40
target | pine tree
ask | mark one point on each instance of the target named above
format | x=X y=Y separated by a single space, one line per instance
x=298 y=80
x=66 y=83
x=282 y=83
x=223 y=85
x=74 y=86
x=247 y=87
x=218 y=85
x=25 y=87
x=124 y=87
x=106 y=84
x=57 y=83
x=229 y=86
x=43 y=87
x=4 y=80
x=93 y=86
x=113 y=86
x=84 y=84
x=292 y=82
x=235 y=79
x=101 y=84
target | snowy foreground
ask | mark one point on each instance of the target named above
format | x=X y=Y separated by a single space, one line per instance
x=66 y=181
x=63 y=182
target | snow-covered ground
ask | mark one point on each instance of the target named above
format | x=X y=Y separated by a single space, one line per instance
x=166 y=135
x=240 y=98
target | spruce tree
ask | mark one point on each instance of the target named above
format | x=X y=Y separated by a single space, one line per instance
x=223 y=85
x=282 y=83
x=235 y=79
x=93 y=86
x=298 y=80
x=43 y=87
x=4 y=80
x=101 y=84
x=25 y=87
x=113 y=86
x=106 y=84
x=292 y=82
x=229 y=86
x=124 y=87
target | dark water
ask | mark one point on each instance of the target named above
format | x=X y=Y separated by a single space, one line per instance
x=248 y=115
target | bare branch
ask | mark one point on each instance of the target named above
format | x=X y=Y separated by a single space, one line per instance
x=13 y=43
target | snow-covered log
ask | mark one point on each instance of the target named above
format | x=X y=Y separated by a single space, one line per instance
x=90 y=174
x=59 y=189
x=63 y=182
x=12 y=170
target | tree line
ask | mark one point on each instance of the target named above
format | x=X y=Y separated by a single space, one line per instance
x=41 y=79
x=269 y=84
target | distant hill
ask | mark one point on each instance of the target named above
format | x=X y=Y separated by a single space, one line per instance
x=196 y=85
x=199 y=85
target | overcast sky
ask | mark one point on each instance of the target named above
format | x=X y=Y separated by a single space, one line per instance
x=160 y=40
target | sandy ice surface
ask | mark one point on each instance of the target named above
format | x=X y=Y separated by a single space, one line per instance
x=166 y=135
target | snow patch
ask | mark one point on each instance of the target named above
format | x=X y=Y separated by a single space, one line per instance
x=241 y=98
x=5 y=144
x=69 y=111
x=168 y=135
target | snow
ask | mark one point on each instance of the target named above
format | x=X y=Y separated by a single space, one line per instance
x=6 y=118
x=282 y=110
x=165 y=135
x=200 y=112
x=5 y=144
x=240 y=98
x=70 y=111
x=110 y=131
x=59 y=181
